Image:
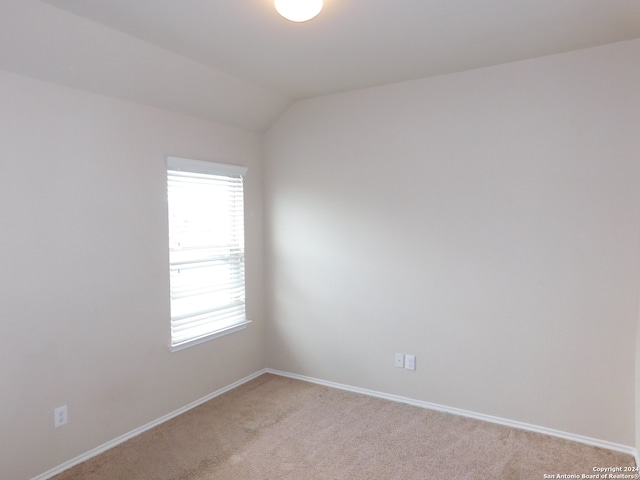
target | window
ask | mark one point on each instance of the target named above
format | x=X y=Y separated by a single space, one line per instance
x=206 y=250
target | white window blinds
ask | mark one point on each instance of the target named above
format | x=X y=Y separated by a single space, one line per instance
x=206 y=249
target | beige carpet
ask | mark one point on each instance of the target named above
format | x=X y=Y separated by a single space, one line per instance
x=278 y=428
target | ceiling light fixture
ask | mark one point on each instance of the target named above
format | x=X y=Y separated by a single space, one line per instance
x=298 y=10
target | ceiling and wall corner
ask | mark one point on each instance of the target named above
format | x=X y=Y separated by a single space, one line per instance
x=47 y=43
x=241 y=63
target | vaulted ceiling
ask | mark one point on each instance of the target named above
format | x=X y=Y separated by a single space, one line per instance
x=239 y=62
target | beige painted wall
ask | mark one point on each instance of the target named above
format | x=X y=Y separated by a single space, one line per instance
x=486 y=222
x=84 y=285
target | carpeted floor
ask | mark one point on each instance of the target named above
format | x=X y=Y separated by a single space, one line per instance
x=275 y=428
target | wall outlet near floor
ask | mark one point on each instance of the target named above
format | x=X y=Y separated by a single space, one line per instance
x=410 y=362
x=60 y=416
x=399 y=360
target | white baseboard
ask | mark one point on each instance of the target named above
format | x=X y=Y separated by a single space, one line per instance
x=134 y=433
x=465 y=413
x=396 y=398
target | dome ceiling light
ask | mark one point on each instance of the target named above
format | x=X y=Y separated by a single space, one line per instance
x=298 y=10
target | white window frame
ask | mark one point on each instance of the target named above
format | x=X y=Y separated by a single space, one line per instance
x=180 y=323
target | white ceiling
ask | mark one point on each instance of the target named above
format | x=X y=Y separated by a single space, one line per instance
x=351 y=44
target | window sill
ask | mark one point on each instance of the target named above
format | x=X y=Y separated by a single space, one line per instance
x=218 y=333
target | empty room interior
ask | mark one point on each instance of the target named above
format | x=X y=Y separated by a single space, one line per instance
x=441 y=208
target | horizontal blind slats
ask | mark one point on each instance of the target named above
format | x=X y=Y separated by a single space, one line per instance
x=184 y=322
x=206 y=257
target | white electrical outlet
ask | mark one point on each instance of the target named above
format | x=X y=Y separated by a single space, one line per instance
x=399 y=360
x=410 y=362
x=60 y=416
